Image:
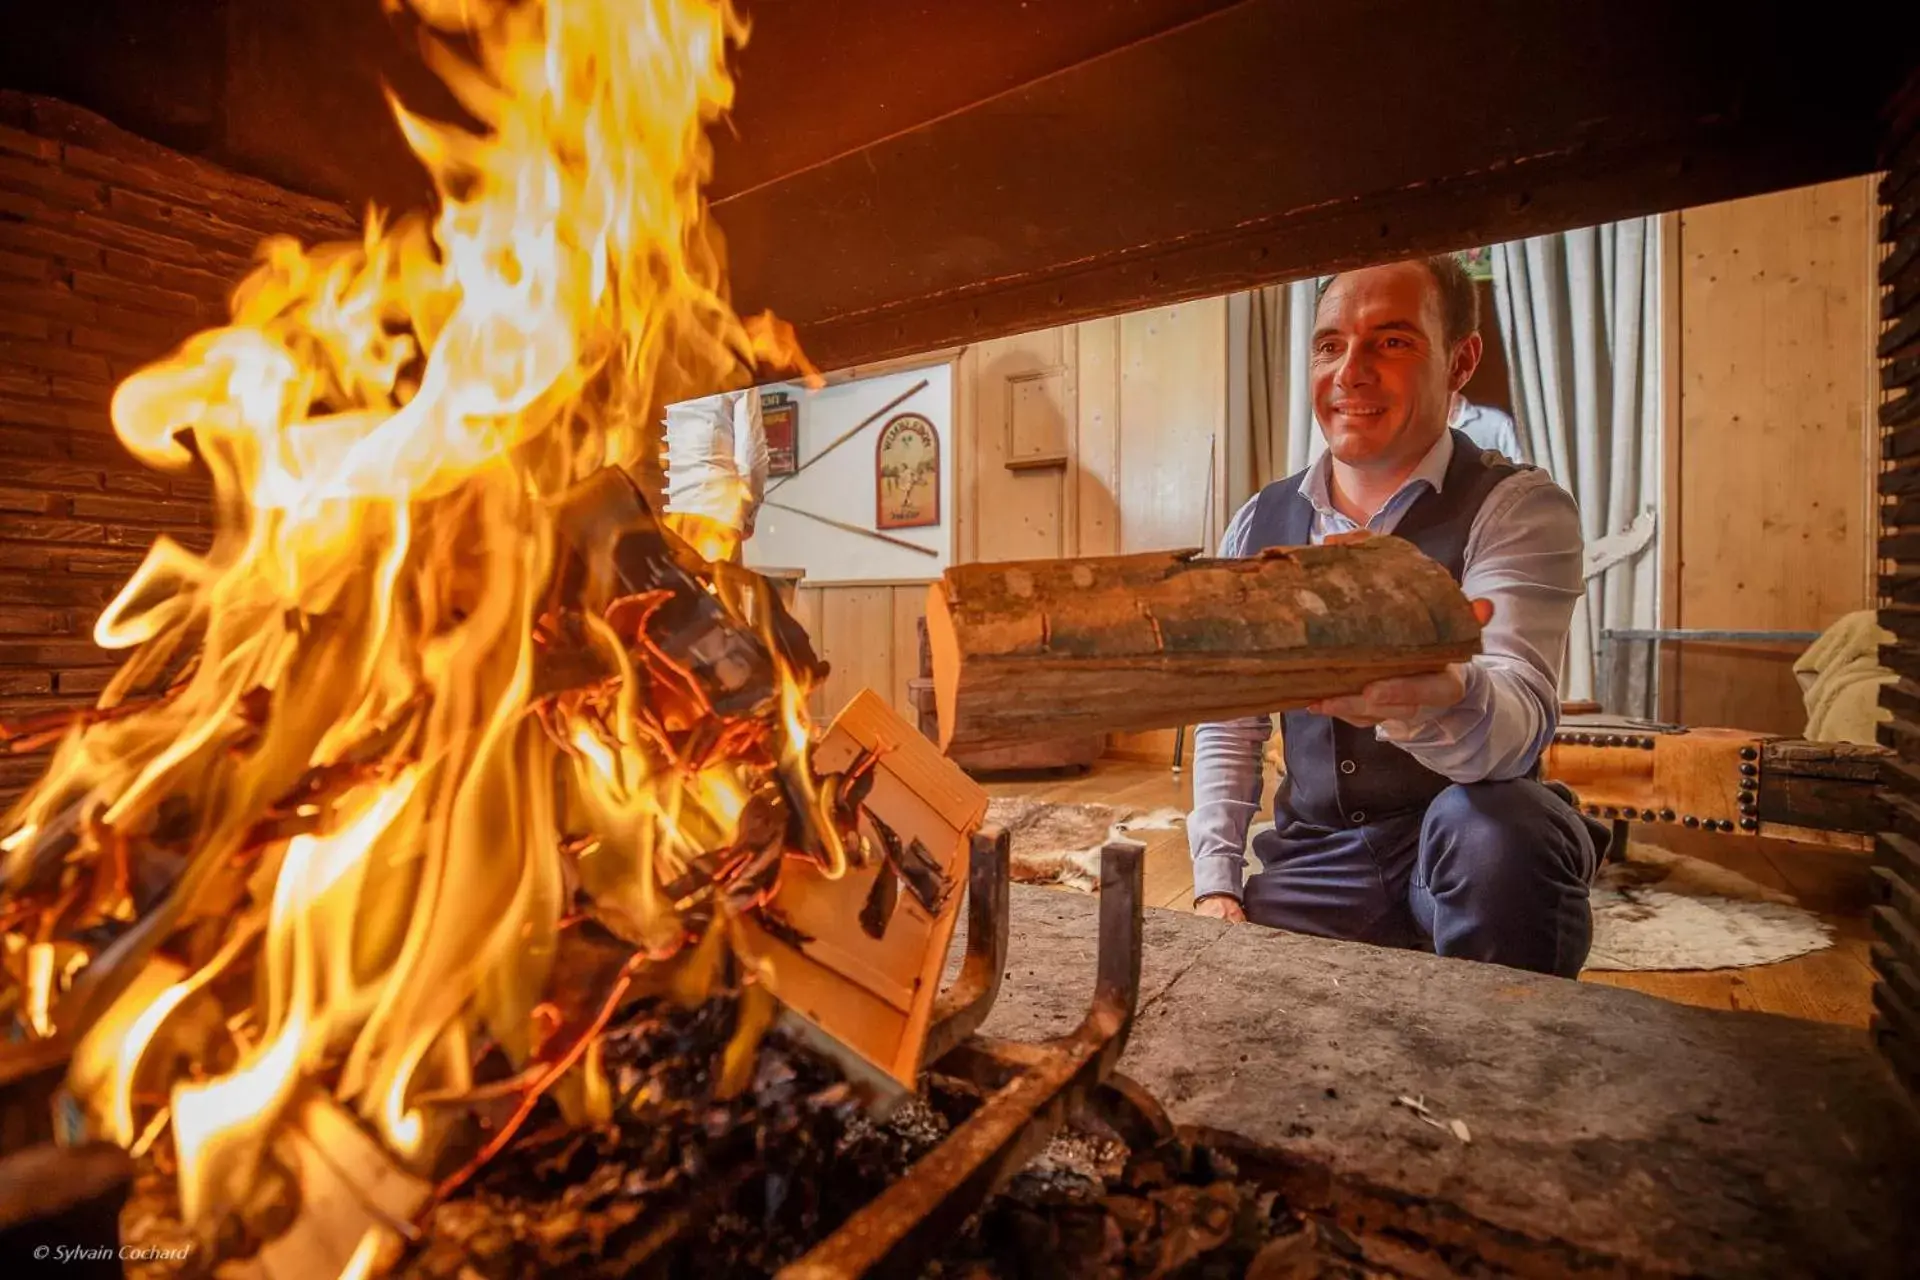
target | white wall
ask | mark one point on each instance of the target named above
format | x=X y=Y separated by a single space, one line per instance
x=841 y=486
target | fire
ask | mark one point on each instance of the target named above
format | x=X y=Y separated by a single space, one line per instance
x=441 y=678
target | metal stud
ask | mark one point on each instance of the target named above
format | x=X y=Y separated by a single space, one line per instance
x=1666 y=815
x=1749 y=784
x=1690 y=821
x=1749 y=770
x=1646 y=744
x=1748 y=824
x=1748 y=753
x=1646 y=815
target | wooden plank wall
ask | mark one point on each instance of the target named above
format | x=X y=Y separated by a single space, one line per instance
x=1769 y=472
x=112 y=251
x=1132 y=399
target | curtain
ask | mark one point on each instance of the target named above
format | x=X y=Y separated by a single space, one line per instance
x=1271 y=432
x=1579 y=316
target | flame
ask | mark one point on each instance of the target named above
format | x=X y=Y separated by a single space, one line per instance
x=338 y=731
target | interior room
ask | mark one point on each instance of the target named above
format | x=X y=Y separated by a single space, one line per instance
x=1746 y=356
x=722 y=638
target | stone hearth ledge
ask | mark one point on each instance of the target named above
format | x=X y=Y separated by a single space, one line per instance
x=1610 y=1131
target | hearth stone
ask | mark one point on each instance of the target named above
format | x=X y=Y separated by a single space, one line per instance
x=1603 y=1129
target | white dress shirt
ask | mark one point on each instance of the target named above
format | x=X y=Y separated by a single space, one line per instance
x=1523 y=554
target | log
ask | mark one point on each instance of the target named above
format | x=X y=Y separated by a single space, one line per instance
x=1047 y=648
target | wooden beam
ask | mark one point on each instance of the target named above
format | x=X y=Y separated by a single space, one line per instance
x=1114 y=155
x=1239 y=149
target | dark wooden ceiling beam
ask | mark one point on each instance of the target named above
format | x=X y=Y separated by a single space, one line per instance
x=901 y=175
x=1273 y=139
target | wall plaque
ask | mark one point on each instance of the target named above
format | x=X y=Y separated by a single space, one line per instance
x=907 y=473
x=780 y=420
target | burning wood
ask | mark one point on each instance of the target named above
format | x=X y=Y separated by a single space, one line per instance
x=872 y=988
x=448 y=755
x=1048 y=648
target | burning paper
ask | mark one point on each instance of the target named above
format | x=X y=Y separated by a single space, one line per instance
x=444 y=708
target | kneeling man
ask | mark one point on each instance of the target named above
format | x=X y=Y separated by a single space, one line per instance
x=1410 y=814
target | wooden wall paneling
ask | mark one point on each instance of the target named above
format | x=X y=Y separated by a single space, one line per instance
x=1773 y=525
x=808 y=613
x=966 y=460
x=1173 y=397
x=1096 y=474
x=1018 y=515
x=1870 y=313
x=857 y=622
x=909 y=606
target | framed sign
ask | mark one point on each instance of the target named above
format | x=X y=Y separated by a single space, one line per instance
x=780 y=420
x=907 y=473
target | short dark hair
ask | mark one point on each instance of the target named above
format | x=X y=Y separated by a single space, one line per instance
x=1459 y=300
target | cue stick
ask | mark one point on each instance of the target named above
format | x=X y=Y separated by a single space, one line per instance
x=852 y=528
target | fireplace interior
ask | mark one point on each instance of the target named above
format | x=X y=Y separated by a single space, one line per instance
x=1067 y=1086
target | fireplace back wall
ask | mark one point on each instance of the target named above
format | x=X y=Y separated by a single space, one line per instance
x=112 y=250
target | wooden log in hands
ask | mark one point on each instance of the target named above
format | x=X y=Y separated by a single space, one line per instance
x=1043 y=648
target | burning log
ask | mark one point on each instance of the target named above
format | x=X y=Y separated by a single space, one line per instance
x=1046 y=648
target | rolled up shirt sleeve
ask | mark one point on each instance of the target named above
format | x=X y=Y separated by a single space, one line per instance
x=1226 y=794
x=1524 y=555
x=1227 y=769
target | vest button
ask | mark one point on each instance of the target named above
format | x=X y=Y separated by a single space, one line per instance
x=1347 y=766
x=1357 y=817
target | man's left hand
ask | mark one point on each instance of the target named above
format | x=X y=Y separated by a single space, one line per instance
x=1408 y=699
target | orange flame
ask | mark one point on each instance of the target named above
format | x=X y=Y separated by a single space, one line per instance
x=376 y=790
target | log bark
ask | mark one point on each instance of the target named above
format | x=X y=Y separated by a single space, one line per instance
x=1046 y=648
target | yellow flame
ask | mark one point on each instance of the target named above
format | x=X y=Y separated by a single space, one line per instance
x=366 y=1254
x=40 y=988
x=390 y=426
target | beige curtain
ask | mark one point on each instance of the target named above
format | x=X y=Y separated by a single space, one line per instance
x=1270 y=404
x=1580 y=317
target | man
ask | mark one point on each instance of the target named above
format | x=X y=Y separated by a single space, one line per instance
x=1409 y=815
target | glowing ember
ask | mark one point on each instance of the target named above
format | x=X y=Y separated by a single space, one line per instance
x=442 y=689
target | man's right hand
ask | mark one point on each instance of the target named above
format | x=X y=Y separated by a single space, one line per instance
x=1221 y=906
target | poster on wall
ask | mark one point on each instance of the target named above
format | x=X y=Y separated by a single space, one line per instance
x=780 y=419
x=907 y=473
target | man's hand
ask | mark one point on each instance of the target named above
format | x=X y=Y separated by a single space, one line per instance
x=1408 y=699
x=1221 y=906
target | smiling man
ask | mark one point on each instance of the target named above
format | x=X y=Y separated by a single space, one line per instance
x=1410 y=814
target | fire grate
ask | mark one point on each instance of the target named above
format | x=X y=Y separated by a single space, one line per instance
x=1029 y=1092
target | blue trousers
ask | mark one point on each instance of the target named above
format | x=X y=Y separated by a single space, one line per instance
x=1494 y=871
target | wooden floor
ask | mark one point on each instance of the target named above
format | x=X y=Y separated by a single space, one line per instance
x=1833 y=985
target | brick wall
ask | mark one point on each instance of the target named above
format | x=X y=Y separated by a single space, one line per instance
x=112 y=250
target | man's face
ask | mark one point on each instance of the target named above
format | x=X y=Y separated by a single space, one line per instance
x=1383 y=373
